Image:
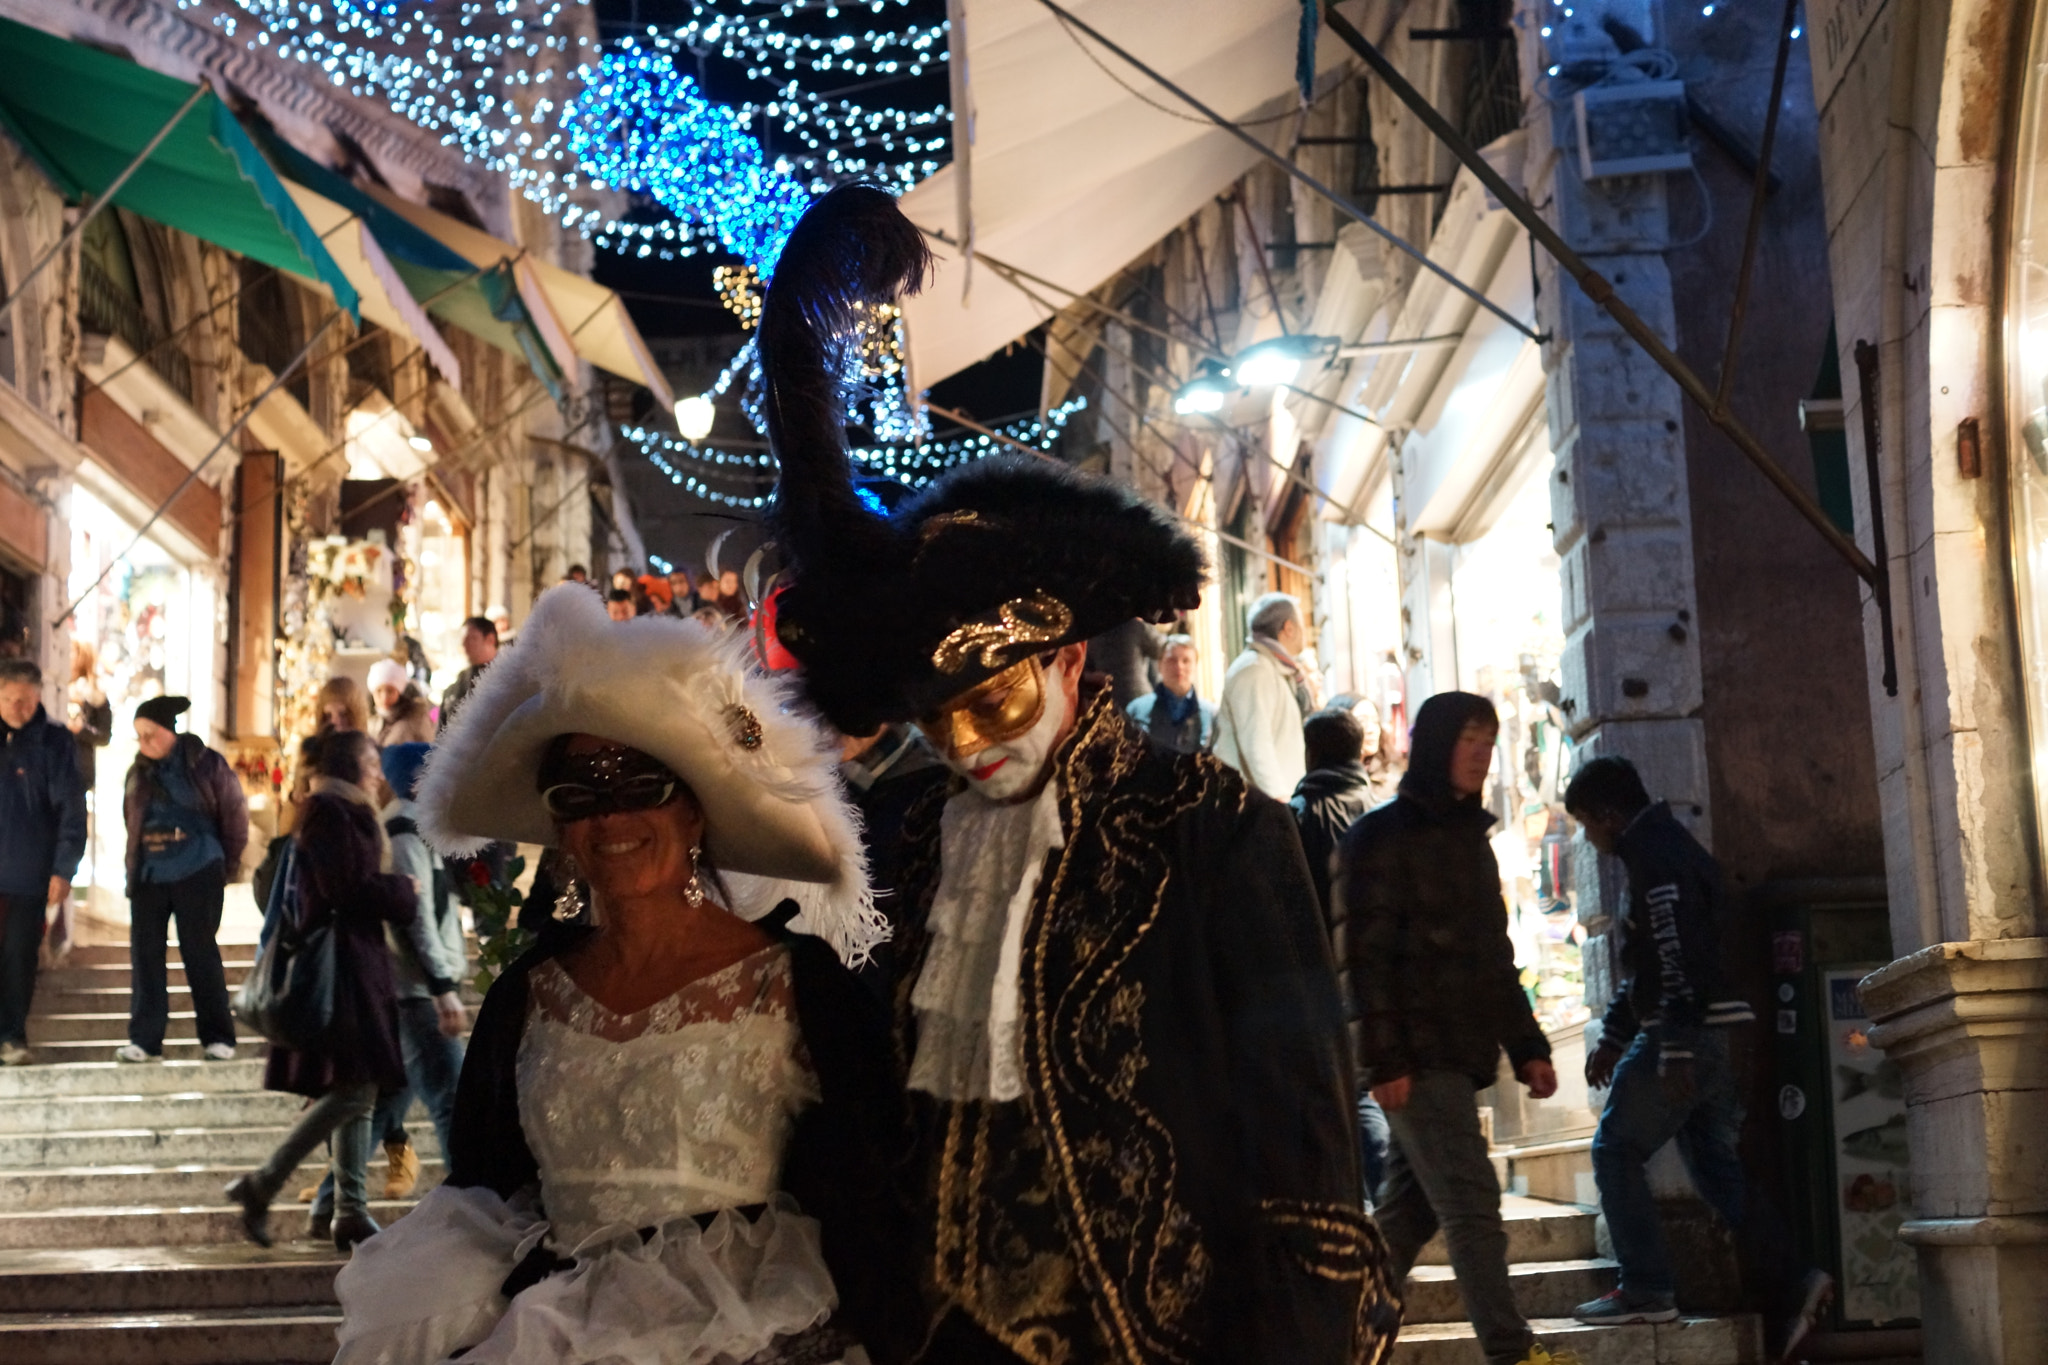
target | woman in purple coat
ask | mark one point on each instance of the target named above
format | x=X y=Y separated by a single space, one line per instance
x=341 y=863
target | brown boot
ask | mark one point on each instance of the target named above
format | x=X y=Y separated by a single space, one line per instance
x=402 y=1170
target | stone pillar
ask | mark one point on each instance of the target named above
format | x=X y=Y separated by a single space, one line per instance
x=1968 y=1025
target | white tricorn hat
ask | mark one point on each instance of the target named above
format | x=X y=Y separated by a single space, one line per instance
x=776 y=824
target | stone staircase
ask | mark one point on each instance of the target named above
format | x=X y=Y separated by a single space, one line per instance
x=1555 y=1266
x=115 y=1243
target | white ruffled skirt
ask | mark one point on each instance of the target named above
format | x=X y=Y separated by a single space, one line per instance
x=427 y=1287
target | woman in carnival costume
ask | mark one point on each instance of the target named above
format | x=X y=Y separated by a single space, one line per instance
x=673 y=1133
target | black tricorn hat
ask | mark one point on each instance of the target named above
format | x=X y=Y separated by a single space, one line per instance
x=999 y=560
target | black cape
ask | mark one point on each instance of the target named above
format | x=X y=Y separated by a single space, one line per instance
x=1185 y=1072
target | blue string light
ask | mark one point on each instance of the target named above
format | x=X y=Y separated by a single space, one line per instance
x=513 y=86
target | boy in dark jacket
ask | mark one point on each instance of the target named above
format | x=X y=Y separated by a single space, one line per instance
x=1435 y=996
x=42 y=835
x=1664 y=1043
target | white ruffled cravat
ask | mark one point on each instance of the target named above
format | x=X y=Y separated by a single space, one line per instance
x=968 y=1013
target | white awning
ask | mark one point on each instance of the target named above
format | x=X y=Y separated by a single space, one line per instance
x=574 y=315
x=385 y=299
x=1070 y=174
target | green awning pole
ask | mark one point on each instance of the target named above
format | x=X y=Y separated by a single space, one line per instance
x=106 y=196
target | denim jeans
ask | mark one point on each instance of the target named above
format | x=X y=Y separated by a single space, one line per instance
x=195 y=903
x=21 y=935
x=1640 y=1117
x=1439 y=1174
x=1372 y=1145
x=343 y=1114
x=433 y=1064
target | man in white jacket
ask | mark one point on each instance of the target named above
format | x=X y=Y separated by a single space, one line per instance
x=1266 y=696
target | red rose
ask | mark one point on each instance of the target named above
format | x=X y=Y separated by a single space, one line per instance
x=479 y=875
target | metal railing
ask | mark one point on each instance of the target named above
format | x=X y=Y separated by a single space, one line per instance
x=105 y=308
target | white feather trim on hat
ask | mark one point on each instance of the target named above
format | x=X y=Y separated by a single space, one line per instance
x=776 y=824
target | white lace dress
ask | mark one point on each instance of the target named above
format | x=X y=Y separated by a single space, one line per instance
x=667 y=1120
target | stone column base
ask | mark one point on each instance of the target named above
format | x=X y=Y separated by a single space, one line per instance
x=1968 y=1025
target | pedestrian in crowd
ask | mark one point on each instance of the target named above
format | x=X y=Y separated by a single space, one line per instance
x=1128 y=655
x=342 y=704
x=501 y=622
x=42 y=837
x=1377 y=755
x=188 y=823
x=430 y=963
x=732 y=599
x=1171 y=713
x=343 y=878
x=404 y=716
x=1334 y=793
x=1665 y=1052
x=1267 y=694
x=1435 y=996
x=479 y=647
x=619 y=606
x=91 y=717
x=711 y=616
x=577 y=574
x=683 y=598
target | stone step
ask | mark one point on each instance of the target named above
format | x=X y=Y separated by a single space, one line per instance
x=115 y=974
x=100 y=999
x=1543 y=1289
x=245 y=1147
x=138 y=1279
x=145 y=1186
x=49 y=1080
x=107 y=1026
x=218 y=1224
x=97 y=1113
x=116 y=954
x=1538 y=1230
x=1560 y=1170
x=1689 y=1341
x=184 y=1049
x=254 y=1336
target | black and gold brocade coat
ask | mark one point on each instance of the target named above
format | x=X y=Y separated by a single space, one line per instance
x=1181 y=1181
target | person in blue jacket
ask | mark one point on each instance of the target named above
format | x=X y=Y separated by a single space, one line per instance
x=42 y=837
x=1665 y=1055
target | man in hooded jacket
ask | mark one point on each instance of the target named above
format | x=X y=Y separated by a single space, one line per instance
x=1435 y=997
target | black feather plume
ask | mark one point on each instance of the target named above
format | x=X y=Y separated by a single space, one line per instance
x=853 y=247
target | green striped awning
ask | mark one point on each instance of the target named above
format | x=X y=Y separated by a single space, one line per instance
x=84 y=115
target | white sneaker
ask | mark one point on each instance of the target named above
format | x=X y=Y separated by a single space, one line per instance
x=220 y=1052
x=128 y=1052
x=14 y=1054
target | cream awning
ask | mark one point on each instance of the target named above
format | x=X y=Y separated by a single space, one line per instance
x=1070 y=174
x=575 y=316
x=385 y=299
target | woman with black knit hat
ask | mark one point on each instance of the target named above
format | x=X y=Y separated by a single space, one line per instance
x=188 y=823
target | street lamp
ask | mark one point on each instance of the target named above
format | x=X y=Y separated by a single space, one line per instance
x=694 y=416
x=1207 y=392
x=1277 y=361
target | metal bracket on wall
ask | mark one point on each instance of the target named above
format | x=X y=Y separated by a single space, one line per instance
x=1880 y=591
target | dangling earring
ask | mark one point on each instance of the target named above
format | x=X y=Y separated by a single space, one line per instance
x=693 y=889
x=569 y=901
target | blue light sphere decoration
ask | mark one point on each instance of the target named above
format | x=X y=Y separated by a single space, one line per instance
x=642 y=126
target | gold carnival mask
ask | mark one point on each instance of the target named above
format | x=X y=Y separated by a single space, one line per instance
x=990 y=713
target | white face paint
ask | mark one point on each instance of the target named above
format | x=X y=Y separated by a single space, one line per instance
x=1007 y=771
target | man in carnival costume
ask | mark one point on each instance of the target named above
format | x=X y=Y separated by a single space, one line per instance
x=1133 y=1136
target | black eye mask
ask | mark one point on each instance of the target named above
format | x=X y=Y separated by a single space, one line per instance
x=603 y=781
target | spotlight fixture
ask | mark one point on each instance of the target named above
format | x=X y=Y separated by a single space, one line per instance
x=1277 y=361
x=1207 y=392
x=423 y=444
x=694 y=416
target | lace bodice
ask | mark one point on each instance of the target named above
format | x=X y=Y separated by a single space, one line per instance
x=680 y=1109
